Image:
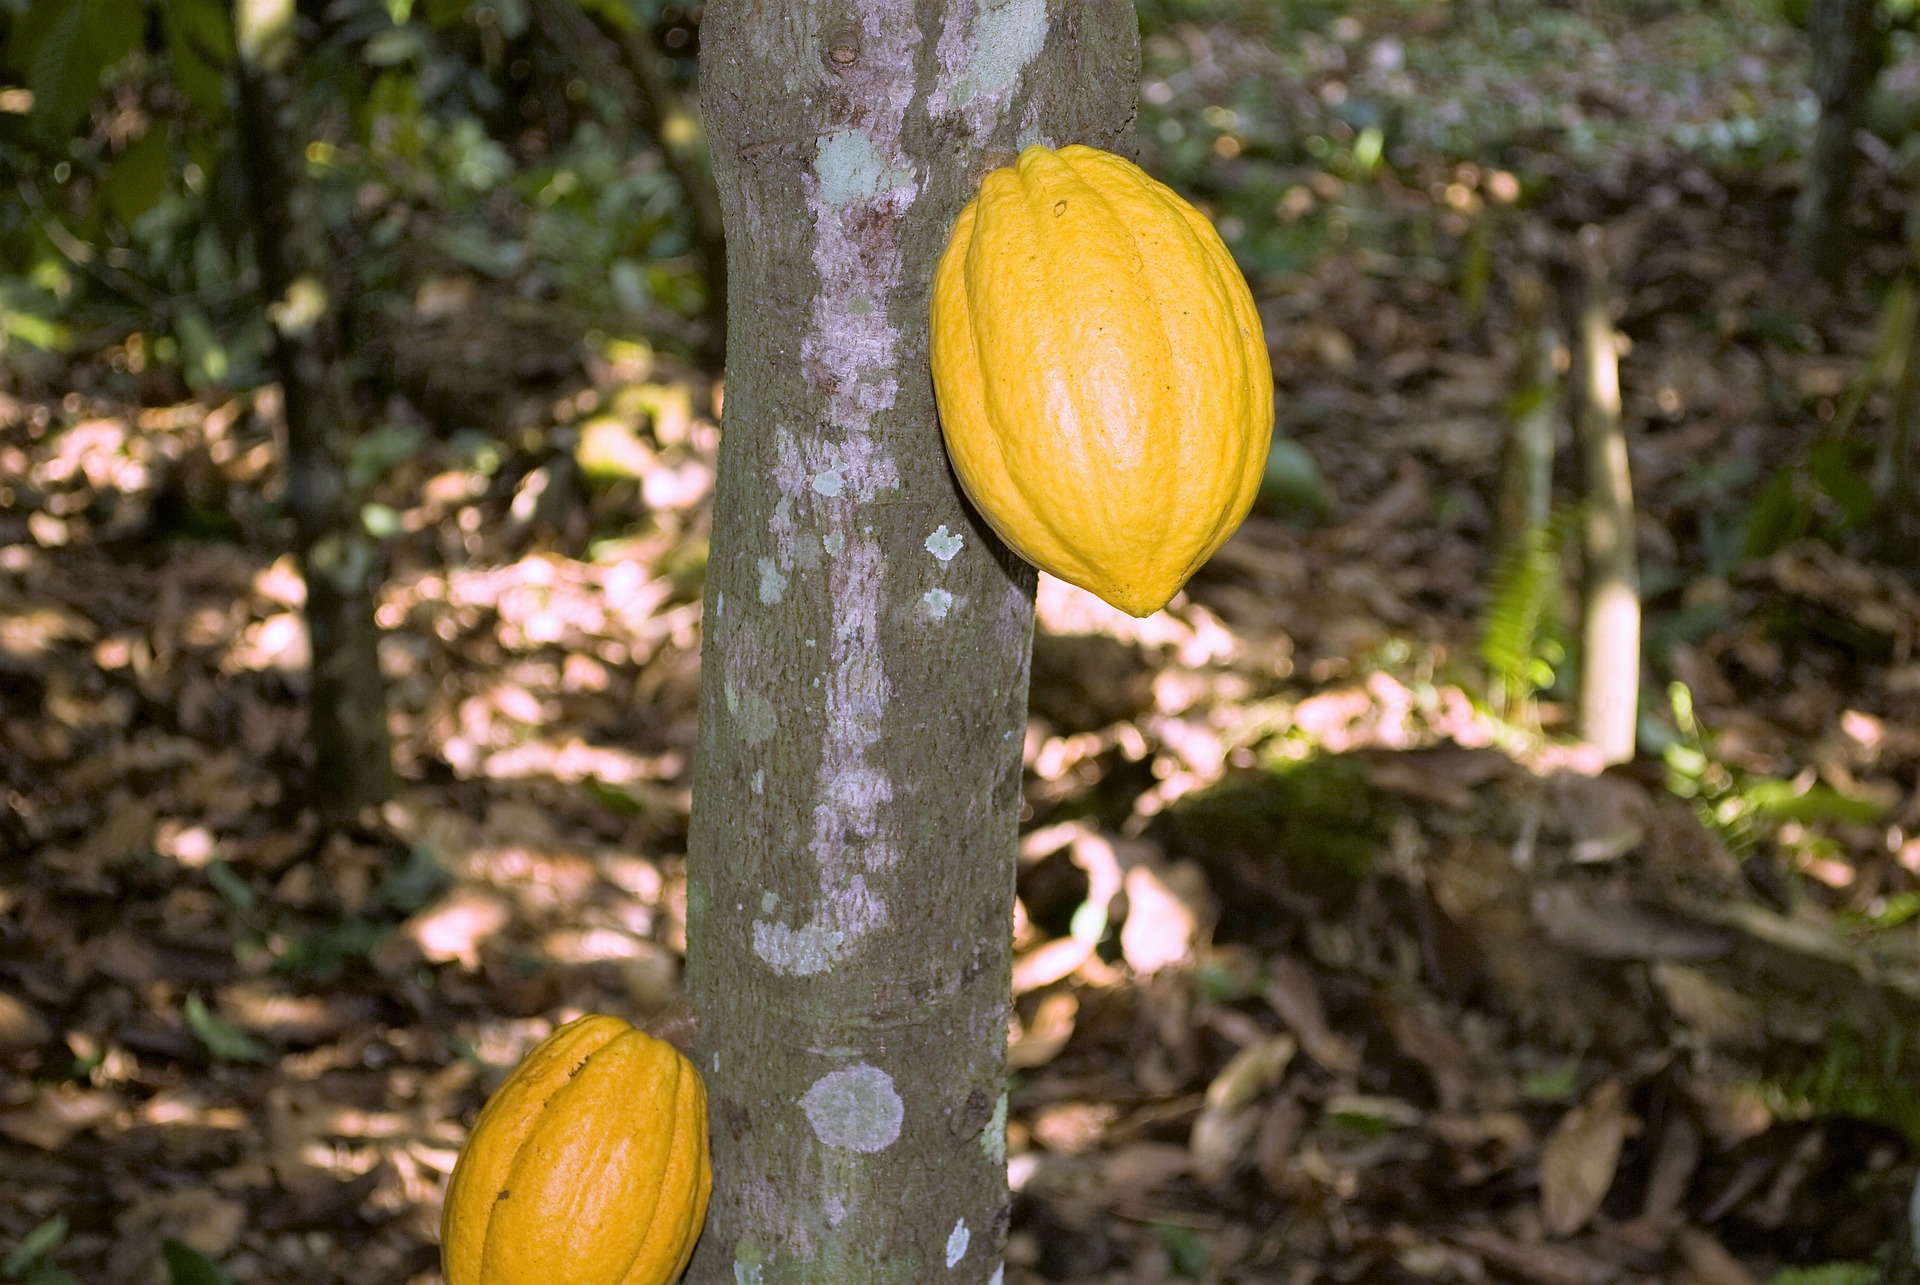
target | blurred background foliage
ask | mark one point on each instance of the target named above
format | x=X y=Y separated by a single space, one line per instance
x=468 y=162
x=497 y=142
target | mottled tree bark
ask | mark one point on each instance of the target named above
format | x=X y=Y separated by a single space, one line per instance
x=346 y=697
x=863 y=693
x=1849 y=44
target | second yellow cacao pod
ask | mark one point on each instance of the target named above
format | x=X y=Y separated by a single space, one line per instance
x=588 y=1166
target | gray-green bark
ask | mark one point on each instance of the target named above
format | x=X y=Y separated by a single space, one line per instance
x=346 y=697
x=1849 y=44
x=863 y=695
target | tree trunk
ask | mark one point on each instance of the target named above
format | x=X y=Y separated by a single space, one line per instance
x=1849 y=45
x=1610 y=635
x=1524 y=501
x=1901 y=1264
x=346 y=697
x=863 y=692
x=1895 y=477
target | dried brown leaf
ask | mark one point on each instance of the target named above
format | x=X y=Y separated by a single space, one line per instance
x=455 y=926
x=1674 y=1163
x=203 y=1219
x=1611 y=926
x=1580 y=1158
x=1540 y=1264
x=272 y=1010
x=1161 y=924
x=20 y=1026
x=1251 y=1072
x=1070 y=1128
x=1281 y=1125
x=1293 y=993
x=1708 y=1262
x=1140 y=1167
x=1044 y=965
x=1443 y=1055
x=57 y=1114
x=1221 y=1137
x=1718 y=1013
x=1038 y=1042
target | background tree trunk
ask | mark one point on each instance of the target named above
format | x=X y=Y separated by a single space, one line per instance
x=1610 y=630
x=1524 y=501
x=1849 y=44
x=1895 y=476
x=675 y=126
x=863 y=691
x=346 y=696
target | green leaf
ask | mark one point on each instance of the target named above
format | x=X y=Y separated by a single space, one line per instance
x=48 y=1274
x=326 y=953
x=24 y=316
x=200 y=42
x=1291 y=484
x=234 y=890
x=396 y=47
x=208 y=362
x=1779 y=517
x=618 y=13
x=414 y=882
x=224 y=1041
x=1783 y=800
x=34 y=1246
x=441 y=14
x=139 y=177
x=513 y=17
x=1187 y=1249
x=613 y=798
x=64 y=46
x=1832 y=470
x=378 y=451
x=1828 y=1274
x=188 y=1266
x=1557 y=1082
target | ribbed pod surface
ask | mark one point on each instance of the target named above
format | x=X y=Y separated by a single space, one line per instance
x=1103 y=380
x=589 y=1166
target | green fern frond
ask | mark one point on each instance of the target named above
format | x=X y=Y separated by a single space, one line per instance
x=1520 y=629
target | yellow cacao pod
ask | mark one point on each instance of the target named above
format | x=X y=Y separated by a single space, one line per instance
x=1102 y=377
x=588 y=1167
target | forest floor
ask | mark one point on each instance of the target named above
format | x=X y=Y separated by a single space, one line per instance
x=1324 y=972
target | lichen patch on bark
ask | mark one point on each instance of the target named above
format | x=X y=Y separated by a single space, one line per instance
x=855 y=1108
x=982 y=57
x=944 y=544
x=957 y=1240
